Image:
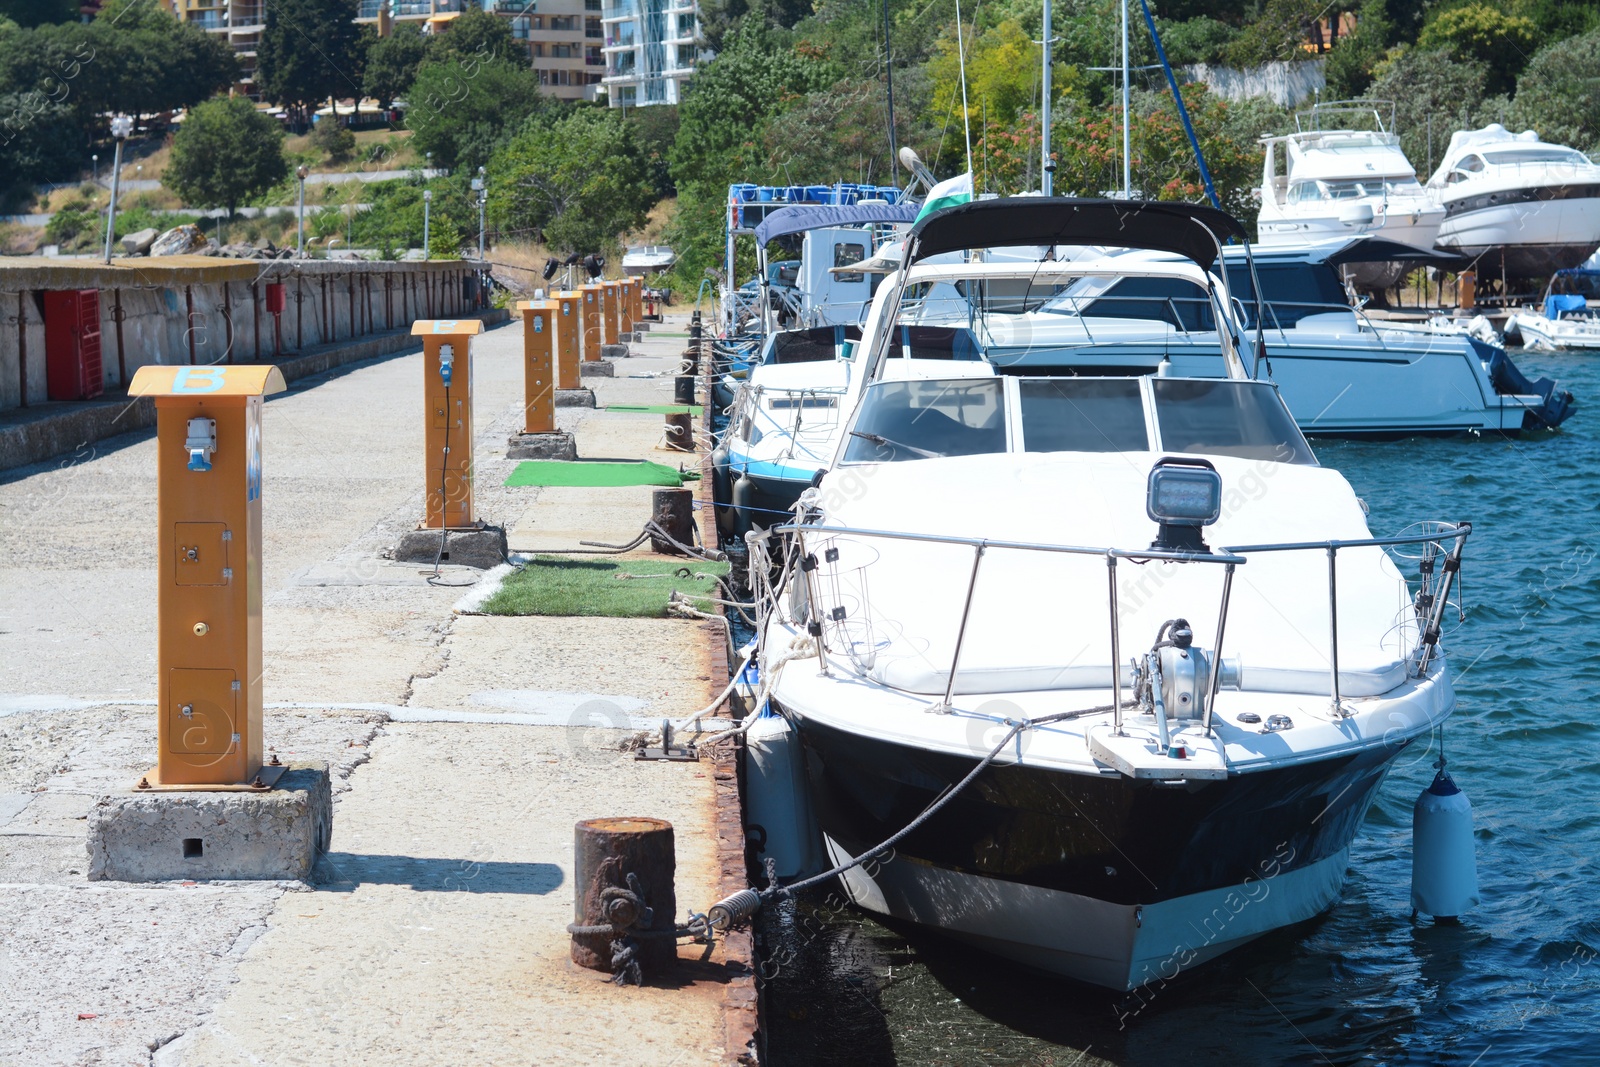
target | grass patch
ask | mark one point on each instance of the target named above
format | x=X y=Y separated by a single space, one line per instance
x=630 y=588
x=596 y=472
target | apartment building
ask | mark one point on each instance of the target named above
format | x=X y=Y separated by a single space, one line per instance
x=563 y=38
x=239 y=21
x=651 y=49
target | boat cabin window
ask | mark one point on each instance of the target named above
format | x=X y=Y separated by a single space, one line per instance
x=1227 y=418
x=846 y=253
x=1293 y=290
x=927 y=419
x=1082 y=415
x=1171 y=300
x=933 y=342
x=1471 y=164
x=932 y=418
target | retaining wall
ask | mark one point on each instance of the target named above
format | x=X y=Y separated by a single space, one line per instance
x=201 y=309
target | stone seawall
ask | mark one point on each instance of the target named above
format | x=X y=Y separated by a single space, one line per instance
x=200 y=309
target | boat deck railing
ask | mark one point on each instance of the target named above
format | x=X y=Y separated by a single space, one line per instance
x=1439 y=567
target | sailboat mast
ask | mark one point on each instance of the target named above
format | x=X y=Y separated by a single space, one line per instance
x=888 y=70
x=1127 y=140
x=1047 y=172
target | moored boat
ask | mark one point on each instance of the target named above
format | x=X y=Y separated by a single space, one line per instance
x=1112 y=659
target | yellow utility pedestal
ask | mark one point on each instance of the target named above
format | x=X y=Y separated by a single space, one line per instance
x=569 y=326
x=638 y=300
x=447 y=392
x=540 y=439
x=592 y=296
x=538 y=366
x=625 y=306
x=609 y=311
x=208 y=435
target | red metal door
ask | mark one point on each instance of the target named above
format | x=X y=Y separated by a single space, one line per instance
x=72 y=344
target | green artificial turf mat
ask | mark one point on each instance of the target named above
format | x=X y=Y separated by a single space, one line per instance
x=628 y=588
x=596 y=473
x=657 y=409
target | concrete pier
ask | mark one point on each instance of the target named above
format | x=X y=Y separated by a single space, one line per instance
x=461 y=750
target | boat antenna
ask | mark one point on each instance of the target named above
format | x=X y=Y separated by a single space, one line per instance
x=1046 y=167
x=961 y=59
x=1177 y=98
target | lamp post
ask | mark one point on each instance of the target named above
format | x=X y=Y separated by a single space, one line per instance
x=427 y=204
x=483 y=200
x=121 y=127
x=300 y=214
x=95 y=163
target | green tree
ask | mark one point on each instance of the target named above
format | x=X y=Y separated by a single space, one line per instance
x=1429 y=82
x=1198 y=40
x=392 y=63
x=309 y=53
x=476 y=35
x=225 y=153
x=1002 y=73
x=1502 y=42
x=461 y=110
x=159 y=63
x=1559 y=94
x=1351 y=64
x=578 y=181
x=720 y=134
x=38 y=12
x=1276 y=34
x=654 y=128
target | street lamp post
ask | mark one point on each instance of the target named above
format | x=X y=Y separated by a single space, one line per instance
x=96 y=165
x=300 y=214
x=483 y=200
x=121 y=127
x=427 y=204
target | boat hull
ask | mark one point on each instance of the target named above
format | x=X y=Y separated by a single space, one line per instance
x=1093 y=876
x=1416 y=225
x=1525 y=233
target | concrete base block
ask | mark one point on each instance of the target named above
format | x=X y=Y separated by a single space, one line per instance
x=641 y=327
x=575 y=398
x=558 y=445
x=158 y=837
x=598 y=368
x=481 y=547
x=614 y=352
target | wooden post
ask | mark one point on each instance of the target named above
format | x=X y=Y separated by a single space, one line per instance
x=673 y=511
x=607 y=852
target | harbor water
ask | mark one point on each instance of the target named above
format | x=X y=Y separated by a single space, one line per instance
x=1517 y=981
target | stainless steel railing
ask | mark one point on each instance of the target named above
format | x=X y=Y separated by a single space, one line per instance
x=1432 y=597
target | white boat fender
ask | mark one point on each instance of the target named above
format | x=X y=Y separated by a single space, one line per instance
x=1444 y=869
x=777 y=801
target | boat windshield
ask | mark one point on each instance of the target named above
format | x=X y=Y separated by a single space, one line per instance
x=934 y=418
x=1540 y=154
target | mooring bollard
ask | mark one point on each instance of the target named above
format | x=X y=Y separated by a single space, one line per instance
x=683 y=389
x=672 y=510
x=624 y=902
x=680 y=431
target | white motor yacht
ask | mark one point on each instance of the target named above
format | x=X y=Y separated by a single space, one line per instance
x=1567 y=321
x=1114 y=664
x=1516 y=204
x=1322 y=182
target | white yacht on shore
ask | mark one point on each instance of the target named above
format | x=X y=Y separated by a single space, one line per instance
x=1322 y=182
x=1516 y=204
x=1004 y=649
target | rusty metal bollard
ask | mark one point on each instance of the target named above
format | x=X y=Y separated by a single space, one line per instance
x=680 y=432
x=624 y=901
x=672 y=510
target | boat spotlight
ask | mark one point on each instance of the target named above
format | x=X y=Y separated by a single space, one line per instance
x=1183 y=496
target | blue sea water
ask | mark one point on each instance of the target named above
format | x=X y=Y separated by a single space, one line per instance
x=1517 y=981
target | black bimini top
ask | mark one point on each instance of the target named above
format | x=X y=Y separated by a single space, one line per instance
x=1189 y=230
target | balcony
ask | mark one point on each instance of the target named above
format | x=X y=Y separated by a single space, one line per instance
x=207 y=20
x=370 y=8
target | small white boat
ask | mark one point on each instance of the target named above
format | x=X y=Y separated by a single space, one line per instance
x=647 y=259
x=1566 y=322
x=1516 y=204
x=1320 y=183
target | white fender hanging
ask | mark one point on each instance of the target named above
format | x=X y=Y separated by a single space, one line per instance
x=1444 y=870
